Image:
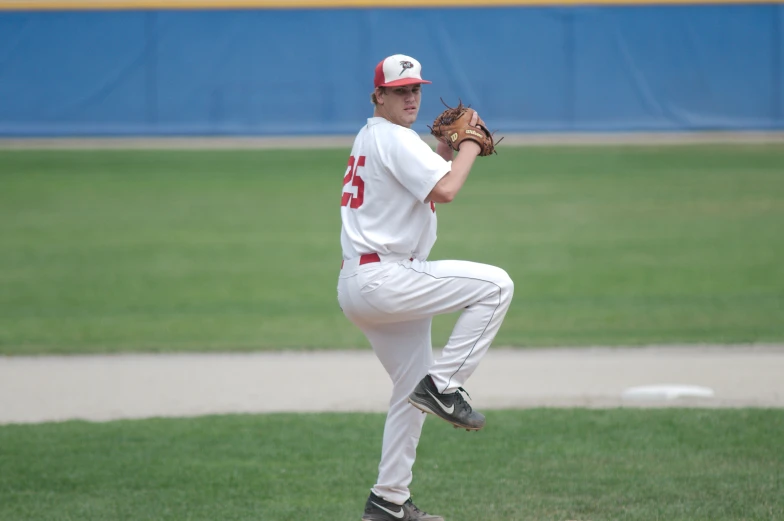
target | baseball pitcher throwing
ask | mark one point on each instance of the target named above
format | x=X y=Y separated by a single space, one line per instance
x=390 y=290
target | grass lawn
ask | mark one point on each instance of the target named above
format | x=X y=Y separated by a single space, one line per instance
x=646 y=465
x=111 y=251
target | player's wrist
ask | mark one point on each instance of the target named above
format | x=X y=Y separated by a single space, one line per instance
x=471 y=147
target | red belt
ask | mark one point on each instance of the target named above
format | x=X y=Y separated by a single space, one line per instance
x=368 y=258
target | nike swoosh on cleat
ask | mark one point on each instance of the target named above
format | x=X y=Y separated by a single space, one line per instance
x=398 y=515
x=448 y=410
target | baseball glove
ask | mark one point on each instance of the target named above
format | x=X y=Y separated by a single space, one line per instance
x=453 y=126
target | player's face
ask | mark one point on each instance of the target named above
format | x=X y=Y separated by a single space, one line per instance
x=400 y=105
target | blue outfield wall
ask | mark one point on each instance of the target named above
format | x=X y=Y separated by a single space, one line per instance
x=261 y=72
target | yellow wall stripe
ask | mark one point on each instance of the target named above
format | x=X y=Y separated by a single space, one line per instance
x=57 y=5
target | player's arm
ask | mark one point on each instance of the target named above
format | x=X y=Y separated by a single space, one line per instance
x=445 y=151
x=448 y=186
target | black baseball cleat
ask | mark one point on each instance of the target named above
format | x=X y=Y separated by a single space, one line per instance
x=450 y=407
x=377 y=509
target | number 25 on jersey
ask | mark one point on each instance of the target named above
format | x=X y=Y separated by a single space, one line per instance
x=349 y=199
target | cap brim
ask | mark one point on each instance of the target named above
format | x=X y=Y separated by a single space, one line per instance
x=404 y=81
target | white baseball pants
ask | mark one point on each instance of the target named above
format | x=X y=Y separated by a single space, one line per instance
x=393 y=302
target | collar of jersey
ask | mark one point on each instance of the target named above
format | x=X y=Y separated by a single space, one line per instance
x=378 y=120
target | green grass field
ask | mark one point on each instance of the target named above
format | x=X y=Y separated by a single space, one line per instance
x=112 y=251
x=635 y=465
x=238 y=250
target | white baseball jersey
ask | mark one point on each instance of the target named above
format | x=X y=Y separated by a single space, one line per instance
x=390 y=173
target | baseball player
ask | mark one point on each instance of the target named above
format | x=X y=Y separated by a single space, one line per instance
x=389 y=289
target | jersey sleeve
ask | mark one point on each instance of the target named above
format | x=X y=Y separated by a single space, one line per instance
x=414 y=164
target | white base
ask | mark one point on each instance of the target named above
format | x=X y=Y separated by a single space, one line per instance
x=666 y=392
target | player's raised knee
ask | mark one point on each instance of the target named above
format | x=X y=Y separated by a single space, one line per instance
x=506 y=283
x=501 y=278
x=502 y=281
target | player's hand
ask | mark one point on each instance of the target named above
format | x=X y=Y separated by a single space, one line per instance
x=474 y=119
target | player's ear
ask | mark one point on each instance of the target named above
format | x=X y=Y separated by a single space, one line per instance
x=379 y=94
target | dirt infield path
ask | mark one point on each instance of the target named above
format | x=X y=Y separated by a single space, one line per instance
x=38 y=389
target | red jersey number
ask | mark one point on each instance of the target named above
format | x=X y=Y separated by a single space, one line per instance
x=349 y=199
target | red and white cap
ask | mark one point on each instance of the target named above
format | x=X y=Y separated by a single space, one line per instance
x=398 y=70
